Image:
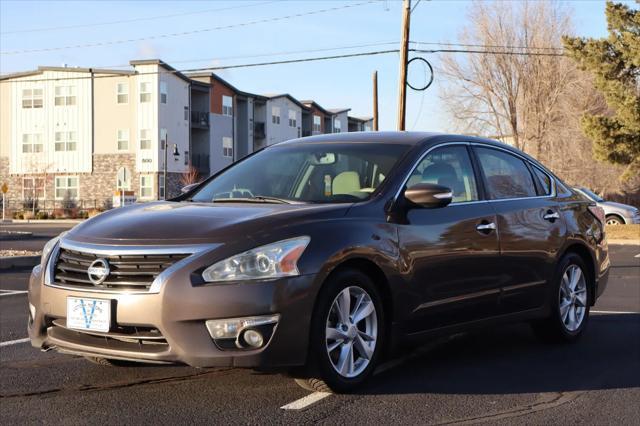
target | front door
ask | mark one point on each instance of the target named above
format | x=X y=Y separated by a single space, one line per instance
x=451 y=253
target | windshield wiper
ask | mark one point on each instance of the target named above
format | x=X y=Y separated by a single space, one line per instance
x=254 y=199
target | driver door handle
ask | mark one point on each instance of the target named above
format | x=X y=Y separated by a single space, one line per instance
x=486 y=227
x=551 y=216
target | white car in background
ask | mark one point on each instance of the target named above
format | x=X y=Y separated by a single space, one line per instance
x=616 y=213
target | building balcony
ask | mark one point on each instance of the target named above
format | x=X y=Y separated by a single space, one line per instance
x=200 y=119
x=259 y=130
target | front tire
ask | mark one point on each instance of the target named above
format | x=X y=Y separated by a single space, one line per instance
x=347 y=334
x=614 y=220
x=570 y=301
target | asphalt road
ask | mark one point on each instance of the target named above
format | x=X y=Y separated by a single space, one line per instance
x=41 y=233
x=500 y=376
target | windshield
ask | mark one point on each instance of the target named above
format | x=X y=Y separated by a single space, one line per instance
x=592 y=195
x=313 y=173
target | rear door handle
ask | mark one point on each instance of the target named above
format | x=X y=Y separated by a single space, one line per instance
x=486 y=227
x=551 y=216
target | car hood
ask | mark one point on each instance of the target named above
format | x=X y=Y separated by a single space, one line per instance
x=194 y=223
x=617 y=206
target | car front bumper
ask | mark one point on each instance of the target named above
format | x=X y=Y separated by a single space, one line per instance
x=169 y=326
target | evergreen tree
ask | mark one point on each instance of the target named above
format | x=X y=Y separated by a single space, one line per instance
x=615 y=64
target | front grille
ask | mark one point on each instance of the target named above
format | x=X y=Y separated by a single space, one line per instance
x=127 y=272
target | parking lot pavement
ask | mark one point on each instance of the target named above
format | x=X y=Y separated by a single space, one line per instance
x=41 y=233
x=500 y=376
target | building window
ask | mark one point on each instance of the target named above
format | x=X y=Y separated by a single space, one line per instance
x=367 y=128
x=65 y=95
x=275 y=115
x=123 y=179
x=123 y=139
x=164 y=92
x=227 y=105
x=227 y=147
x=145 y=92
x=32 y=188
x=292 y=118
x=337 y=126
x=32 y=98
x=316 y=123
x=31 y=142
x=186 y=113
x=161 y=187
x=146 y=186
x=65 y=141
x=122 y=92
x=66 y=187
x=145 y=139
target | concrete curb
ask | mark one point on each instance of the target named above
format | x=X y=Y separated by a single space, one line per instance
x=623 y=242
x=44 y=221
x=9 y=262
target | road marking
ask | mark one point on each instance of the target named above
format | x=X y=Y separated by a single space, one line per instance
x=14 y=342
x=615 y=312
x=12 y=292
x=306 y=401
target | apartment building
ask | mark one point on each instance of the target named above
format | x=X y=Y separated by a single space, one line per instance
x=84 y=133
x=360 y=124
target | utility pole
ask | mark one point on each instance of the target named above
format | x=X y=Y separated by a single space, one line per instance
x=375 y=101
x=404 y=56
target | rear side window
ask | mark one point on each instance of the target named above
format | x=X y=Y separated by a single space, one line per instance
x=449 y=166
x=507 y=176
x=544 y=180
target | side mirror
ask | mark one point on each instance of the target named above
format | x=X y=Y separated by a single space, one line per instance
x=429 y=195
x=189 y=187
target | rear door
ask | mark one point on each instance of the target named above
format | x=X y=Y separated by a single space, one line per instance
x=529 y=224
x=451 y=253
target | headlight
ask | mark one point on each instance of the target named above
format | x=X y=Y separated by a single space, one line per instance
x=49 y=246
x=271 y=261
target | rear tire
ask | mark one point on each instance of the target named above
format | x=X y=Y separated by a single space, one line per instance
x=614 y=220
x=570 y=299
x=347 y=334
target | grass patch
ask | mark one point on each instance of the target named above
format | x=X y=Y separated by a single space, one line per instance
x=623 y=232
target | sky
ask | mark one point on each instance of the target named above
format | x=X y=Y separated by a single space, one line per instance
x=362 y=26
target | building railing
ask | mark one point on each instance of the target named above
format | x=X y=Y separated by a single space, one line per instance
x=200 y=118
x=259 y=130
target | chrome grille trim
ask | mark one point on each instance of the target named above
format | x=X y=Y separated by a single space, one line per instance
x=191 y=252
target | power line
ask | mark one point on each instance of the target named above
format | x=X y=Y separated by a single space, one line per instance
x=488 y=52
x=488 y=46
x=211 y=69
x=186 y=33
x=126 y=21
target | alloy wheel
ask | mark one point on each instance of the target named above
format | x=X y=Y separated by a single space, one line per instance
x=351 y=331
x=573 y=297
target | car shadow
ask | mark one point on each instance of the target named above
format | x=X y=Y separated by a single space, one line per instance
x=511 y=360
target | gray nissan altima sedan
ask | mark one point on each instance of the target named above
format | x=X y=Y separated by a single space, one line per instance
x=616 y=213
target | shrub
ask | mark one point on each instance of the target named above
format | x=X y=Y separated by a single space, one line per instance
x=42 y=215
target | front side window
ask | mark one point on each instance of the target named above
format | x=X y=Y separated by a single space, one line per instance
x=227 y=105
x=292 y=118
x=448 y=166
x=123 y=139
x=32 y=98
x=275 y=115
x=315 y=173
x=65 y=141
x=66 y=187
x=146 y=186
x=145 y=92
x=122 y=93
x=227 y=147
x=31 y=143
x=317 y=127
x=145 y=139
x=507 y=176
x=164 y=92
x=65 y=95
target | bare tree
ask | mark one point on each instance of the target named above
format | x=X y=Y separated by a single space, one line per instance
x=190 y=176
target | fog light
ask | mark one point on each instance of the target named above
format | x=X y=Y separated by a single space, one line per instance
x=253 y=338
x=231 y=328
